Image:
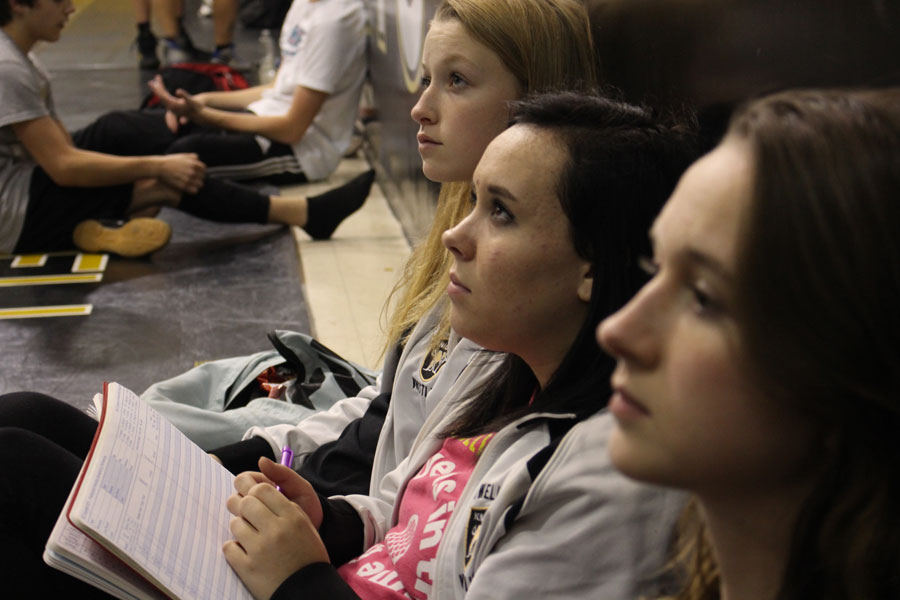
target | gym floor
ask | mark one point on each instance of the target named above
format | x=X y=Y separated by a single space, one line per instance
x=213 y=292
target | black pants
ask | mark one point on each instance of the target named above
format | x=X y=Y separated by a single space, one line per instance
x=43 y=443
x=227 y=154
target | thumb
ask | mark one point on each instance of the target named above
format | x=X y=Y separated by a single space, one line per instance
x=294 y=487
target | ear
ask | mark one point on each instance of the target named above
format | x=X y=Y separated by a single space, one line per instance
x=587 y=282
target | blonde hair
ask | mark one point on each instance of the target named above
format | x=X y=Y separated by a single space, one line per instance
x=693 y=562
x=546 y=45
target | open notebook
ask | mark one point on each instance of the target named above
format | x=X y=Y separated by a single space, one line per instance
x=146 y=518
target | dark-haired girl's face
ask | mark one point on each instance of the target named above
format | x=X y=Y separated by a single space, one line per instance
x=688 y=411
x=517 y=284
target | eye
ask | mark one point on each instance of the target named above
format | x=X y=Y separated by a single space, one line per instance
x=499 y=212
x=473 y=197
x=424 y=82
x=456 y=80
x=704 y=305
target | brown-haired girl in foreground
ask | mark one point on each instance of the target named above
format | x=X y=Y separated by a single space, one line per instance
x=759 y=366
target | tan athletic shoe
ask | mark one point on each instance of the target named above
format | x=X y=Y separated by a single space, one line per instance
x=132 y=238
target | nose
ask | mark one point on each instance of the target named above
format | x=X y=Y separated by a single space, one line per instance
x=632 y=333
x=423 y=111
x=459 y=241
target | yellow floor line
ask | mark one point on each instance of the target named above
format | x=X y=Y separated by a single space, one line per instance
x=90 y=262
x=25 y=261
x=33 y=312
x=50 y=279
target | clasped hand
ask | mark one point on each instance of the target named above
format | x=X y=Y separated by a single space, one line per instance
x=183 y=171
x=275 y=533
x=179 y=108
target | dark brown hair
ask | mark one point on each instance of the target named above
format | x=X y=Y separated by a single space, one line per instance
x=818 y=289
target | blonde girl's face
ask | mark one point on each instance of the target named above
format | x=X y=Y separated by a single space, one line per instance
x=463 y=106
x=689 y=413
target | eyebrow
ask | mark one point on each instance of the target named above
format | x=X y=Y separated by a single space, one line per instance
x=705 y=260
x=698 y=257
x=452 y=59
x=499 y=190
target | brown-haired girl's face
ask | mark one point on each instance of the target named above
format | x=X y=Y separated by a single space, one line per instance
x=688 y=412
x=463 y=106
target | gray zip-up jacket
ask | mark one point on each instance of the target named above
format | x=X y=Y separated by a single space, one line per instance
x=544 y=514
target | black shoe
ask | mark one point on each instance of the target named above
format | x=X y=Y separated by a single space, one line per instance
x=185 y=41
x=146 y=45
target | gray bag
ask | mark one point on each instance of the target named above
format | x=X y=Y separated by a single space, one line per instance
x=216 y=402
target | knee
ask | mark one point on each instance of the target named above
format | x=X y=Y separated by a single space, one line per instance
x=25 y=409
x=187 y=143
x=16 y=404
x=19 y=448
x=113 y=122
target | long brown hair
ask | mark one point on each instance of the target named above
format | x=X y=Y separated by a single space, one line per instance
x=546 y=45
x=818 y=283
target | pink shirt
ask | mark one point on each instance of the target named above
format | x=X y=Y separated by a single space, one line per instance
x=401 y=566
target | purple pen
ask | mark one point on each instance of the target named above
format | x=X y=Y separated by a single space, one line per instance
x=287 y=459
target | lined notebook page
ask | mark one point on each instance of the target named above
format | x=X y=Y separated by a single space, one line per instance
x=157 y=500
x=69 y=550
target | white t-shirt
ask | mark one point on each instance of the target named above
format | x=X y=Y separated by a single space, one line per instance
x=323 y=47
x=24 y=95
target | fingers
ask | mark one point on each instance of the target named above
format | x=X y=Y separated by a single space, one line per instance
x=275 y=471
x=273 y=537
x=159 y=88
x=234 y=553
x=233 y=504
x=246 y=480
x=173 y=121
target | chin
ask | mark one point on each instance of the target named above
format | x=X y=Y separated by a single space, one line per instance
x=434 y=174
x=623 y=457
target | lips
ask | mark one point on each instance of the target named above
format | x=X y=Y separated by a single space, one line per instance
x=625 y=407
x=455 y=287
x=425 y=140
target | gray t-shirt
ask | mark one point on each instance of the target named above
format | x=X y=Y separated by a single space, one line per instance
x=24 y=95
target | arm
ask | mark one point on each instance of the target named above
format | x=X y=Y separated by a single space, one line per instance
x=233 y=99
x=287 y=128
x=316 y=430
x=51 y=146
